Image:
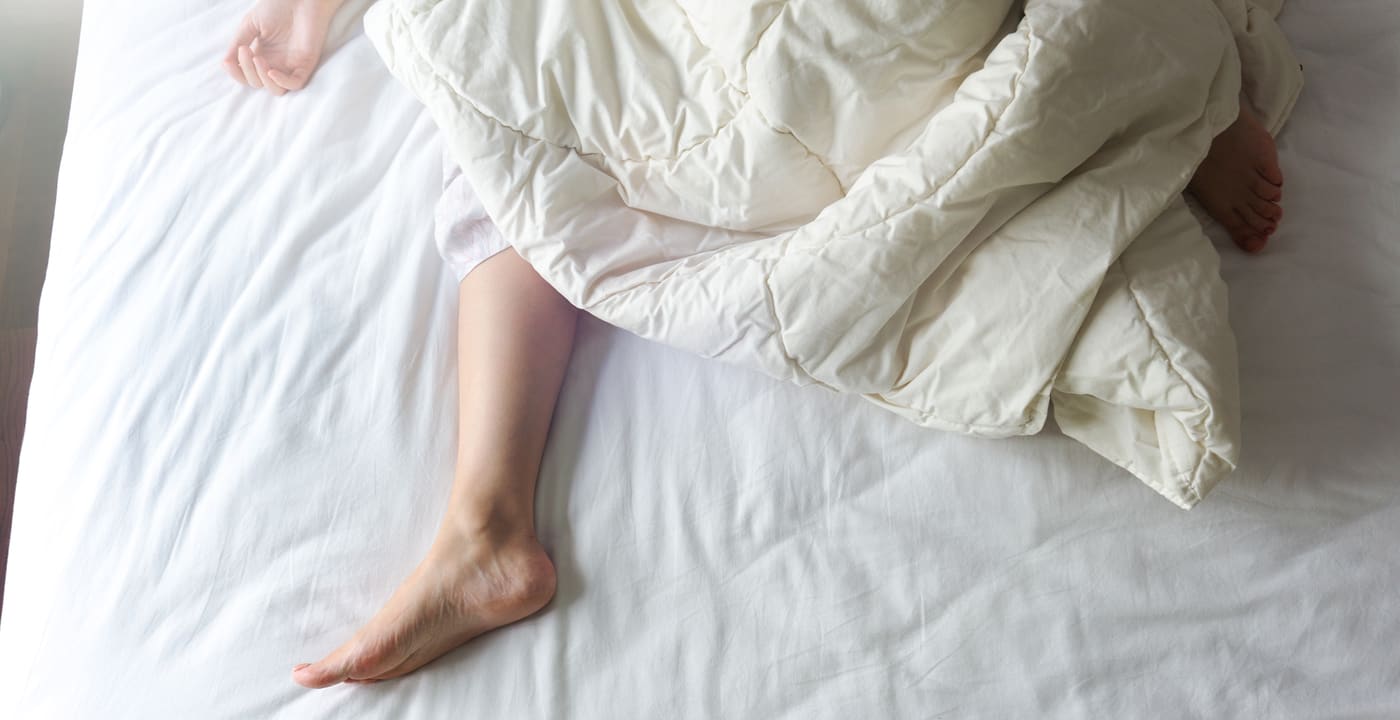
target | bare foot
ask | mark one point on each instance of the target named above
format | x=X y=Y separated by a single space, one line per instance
x=1240 y=182
x=468 y=584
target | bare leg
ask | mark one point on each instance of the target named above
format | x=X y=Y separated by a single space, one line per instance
x=485 y=568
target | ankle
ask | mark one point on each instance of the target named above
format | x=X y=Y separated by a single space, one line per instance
x=487 y=519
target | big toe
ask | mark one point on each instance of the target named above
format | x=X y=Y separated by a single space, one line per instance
x=1252 y=244
x=321 y=674
x=352 y=660
x=1270 y=171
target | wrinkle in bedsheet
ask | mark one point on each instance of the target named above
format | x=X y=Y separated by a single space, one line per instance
x=778 y=551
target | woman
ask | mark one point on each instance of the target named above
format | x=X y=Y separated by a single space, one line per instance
x=485 y=568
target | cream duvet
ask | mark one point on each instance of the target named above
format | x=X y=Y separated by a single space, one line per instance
x=966 y=212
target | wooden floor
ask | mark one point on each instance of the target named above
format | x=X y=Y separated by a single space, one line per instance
x=38 y=49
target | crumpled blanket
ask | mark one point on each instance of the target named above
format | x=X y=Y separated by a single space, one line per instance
x=966 y=212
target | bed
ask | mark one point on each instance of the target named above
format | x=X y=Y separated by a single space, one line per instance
x=240 y=434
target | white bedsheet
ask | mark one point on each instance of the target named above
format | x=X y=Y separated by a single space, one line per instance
x=241 y=426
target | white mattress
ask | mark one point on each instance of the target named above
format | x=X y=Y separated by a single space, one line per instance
x=241 y=432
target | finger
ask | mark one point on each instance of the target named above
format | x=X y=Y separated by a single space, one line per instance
x=294 y=80
x=245 y=61
x=260 y=65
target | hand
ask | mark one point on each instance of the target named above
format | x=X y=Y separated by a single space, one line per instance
x=278 y=44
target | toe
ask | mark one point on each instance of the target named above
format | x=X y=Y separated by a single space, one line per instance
x=1267 y=164
x=1253 y=220
x=1238 y=230
x=322 y=674
x=1266 y=190
x=1252 y=244
x=354 y=659
x=1271 y=174
x=1268 y=210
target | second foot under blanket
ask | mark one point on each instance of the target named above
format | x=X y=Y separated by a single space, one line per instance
x=962 y=211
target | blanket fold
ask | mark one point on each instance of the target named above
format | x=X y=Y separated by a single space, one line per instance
x=961 y=211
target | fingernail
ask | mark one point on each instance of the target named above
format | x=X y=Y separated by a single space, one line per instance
x=300 y=667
